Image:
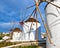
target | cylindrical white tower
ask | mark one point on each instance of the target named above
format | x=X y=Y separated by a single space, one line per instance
x=29 y=29
x=53 y=22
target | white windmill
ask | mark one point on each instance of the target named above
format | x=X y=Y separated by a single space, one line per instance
x=54 y=15
x=52 y=7
x=53 y=21
x=30 y=31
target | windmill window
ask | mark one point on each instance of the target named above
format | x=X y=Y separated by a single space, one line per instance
x=33 y=24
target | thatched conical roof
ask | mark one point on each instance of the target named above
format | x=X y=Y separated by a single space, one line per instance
x=17 y=30
x=31 y=19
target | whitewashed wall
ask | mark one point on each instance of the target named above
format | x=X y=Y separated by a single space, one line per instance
x=53 y=21
x=25 y=35
x=17 y=36
x=26 y=29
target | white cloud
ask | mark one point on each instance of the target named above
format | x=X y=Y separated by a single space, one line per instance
x=8 y=25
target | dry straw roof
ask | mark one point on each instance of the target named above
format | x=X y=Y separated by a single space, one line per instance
x=17 y=30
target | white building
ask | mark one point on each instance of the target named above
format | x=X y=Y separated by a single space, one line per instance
x=17 y=34
x=53 y=21
x=29 y=28
x=6 y=37
x=29 y=32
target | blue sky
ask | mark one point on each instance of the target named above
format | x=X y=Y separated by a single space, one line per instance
x=15 y=11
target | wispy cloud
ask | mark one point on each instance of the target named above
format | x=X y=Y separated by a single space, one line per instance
x=9 y=26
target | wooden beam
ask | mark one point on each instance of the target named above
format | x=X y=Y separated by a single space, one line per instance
x=36 y=28
x=38 y=10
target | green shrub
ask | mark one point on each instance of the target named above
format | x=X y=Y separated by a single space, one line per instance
x=0 y=37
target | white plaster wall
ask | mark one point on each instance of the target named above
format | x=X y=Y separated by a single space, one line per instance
x=26 y=29
x=53 y=21
x=17 y=36
x=25 y=35
x=32 y=36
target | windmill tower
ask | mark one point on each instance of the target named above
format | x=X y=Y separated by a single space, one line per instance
x=56 y=5
x=37 y=10
x=53 y=16
x=30 y=31
x=17 y=34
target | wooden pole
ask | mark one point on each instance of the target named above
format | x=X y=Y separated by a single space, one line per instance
x=49 y=36
x=32 y=22
x=53 y=4
x=36 y=1
x=36 y=28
